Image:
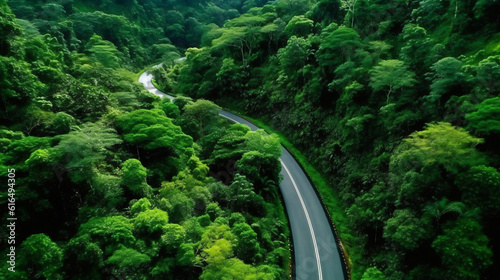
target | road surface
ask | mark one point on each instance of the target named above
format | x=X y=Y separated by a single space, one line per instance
x=316 y=254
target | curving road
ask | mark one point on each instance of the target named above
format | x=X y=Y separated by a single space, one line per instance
x=316 y=254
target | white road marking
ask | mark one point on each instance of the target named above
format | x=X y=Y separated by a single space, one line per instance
x=316 y=251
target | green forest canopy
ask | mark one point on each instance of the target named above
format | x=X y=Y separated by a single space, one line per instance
x=395 y=102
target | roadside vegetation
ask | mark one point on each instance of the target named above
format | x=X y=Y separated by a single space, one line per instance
x=394 y=102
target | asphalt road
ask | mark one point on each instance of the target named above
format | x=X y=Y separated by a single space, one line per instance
x=316 y=253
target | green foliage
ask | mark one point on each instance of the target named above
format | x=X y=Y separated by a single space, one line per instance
x=151 y=222
x=244 y=197
x=155 y=138
x=84 y=148
x=373 y=273
x=480 y=187
x=391 y=75
x=299 y=26
x=41 y=256
x=62 y=123
x=127 y=261
x=334 y=40
x=289 y=62
x=204 y=113
x=173 y=237
x=434 y=61
x=84 y=256
x=405 y=230
x=107 y=192
x=488 y=73
x=109 y=233
x=464 y=233
x=66 y=71
x=103 y=51
x=247 y=246
x=171 y=110
x=141 y=205
x=230 y=146
x=447 y=76
x=19 y=86
x=294 y=56
x=439 y=143
x=484 y=121
x=233 y=269
x=134 y=178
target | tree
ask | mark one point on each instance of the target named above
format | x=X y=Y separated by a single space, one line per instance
x=9 y=30
x=152 y=130
x=204 y=112
x=109 y=233
x=372 y=273
x=171 y=110
x=52 y=11
x=326 y=11
x=234 y=269
x=172 y=238
x=287 y=9
x=185 y=255
x=84 y=257
x=85 y=147
x=429 y=13
x=140 y=205
x=417 y=48
x=350 y=7
x=299 y=26
x=151 y=223
x=103 y=51
x=163 y=269
x=160 y=144
x=41 y=256
x=372 y=209
x=127 y=261
x=437 y=210
x=178 y=204
x=107 y=194
x=247 y=246
x=231 y=77
x=234 y=37
x=263 y=170
x=244 y=197
x=447 y=78
x=219 y=251
x=62 y=123
x=19 y=86
x=274 y=31
x=424 y=166
x=406 y=230
x=36 y=119
x=391 y=75
x=488 y=74
x=294 y=56
x=480 y=187
x=440 y=143
x=485 y=120
x=134 y=178
x=182 y=101
x=230 y=146
x=460 y=263
x=342 y=39
x=260 y=141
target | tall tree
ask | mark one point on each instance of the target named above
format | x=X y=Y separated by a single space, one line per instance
x=460 y=263
x=391 y=75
